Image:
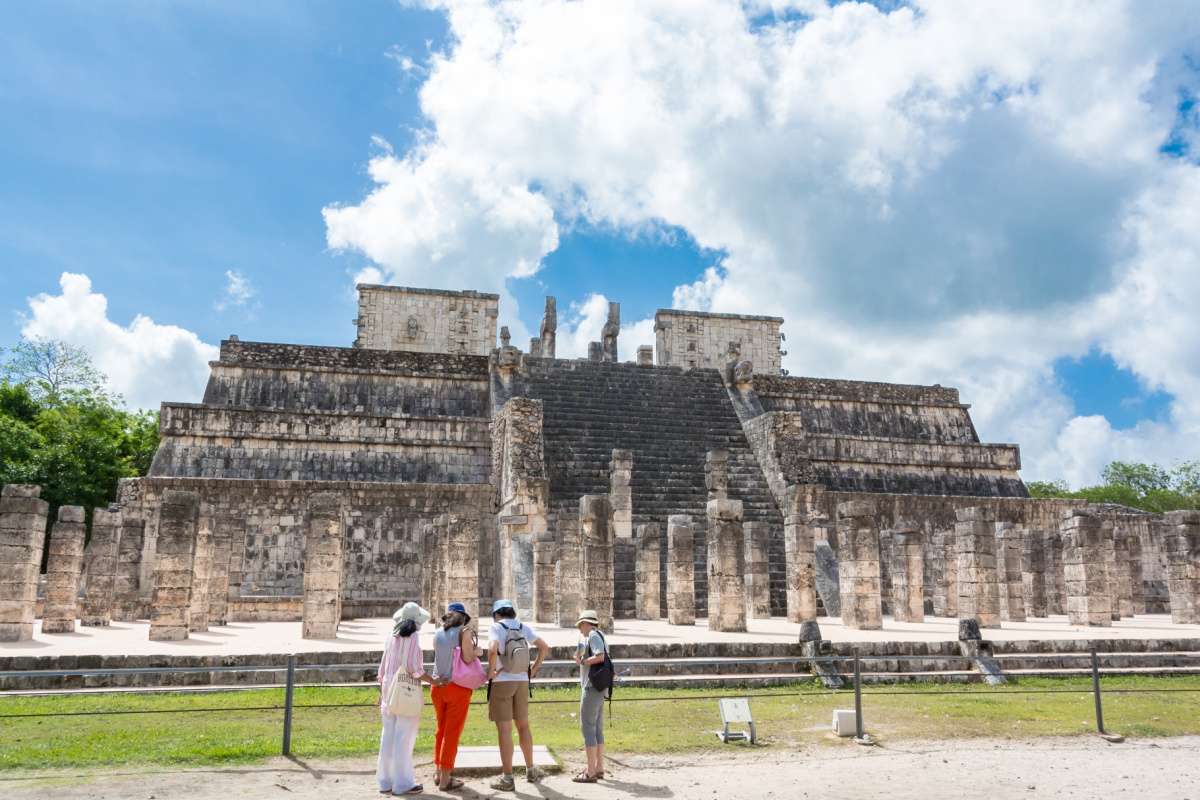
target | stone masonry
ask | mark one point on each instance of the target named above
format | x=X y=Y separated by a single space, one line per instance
x=567 y=583
x=544 y=550
x=127 y=582
x=978 y=578
x=945 y=574
x=323 y=567
x=1008 y=566
x=858 y=557
x=621 y=495
x=596 y=564
x=1056 y=588
x=22 y=533
x=726 y=566
x=1033 y=570
x=462 y=560
x=1109 y=540
x=757 y=578
x=800 y=537
x=1183 y=565
x=174 y=560
x=681 y=570
x=1085 y=569
x=649 y=563
x=1137 y=588
x=102 y=550
x=63 y=569
x=201 y=571
x=908 y=573
x=1122 y=576
x=426 y=321
x=225 y=529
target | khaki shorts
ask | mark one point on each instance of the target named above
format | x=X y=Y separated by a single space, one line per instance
x=509 y=701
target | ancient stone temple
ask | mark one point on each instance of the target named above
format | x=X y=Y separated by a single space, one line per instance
x=467 y=468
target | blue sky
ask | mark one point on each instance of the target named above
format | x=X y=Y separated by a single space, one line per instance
x=181 y=155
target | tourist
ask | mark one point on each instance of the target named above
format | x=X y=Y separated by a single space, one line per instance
x=394 y=771
x=452 y=700
x=509 y=671
x=591 y=651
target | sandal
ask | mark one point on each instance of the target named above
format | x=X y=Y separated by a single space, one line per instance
x=453 y=786
x=584 y=777
x=418 y=789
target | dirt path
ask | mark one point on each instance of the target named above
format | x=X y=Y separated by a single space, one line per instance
x=1077 y=768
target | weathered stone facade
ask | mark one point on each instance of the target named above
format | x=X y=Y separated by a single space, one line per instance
x=858 y=550
x=1008 y=568
x=64 y=566
x=681 y=566
x=649 y=563
x=102 y=569
x=426 y=320
x=1085 y=569
x=978 y=575
x=1033 y=570
x=908 y=573
x=22 y=531
x=323 y=567
x=693 y=339
x=174 y=565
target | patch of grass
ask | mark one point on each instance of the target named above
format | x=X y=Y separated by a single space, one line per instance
x=673 y=721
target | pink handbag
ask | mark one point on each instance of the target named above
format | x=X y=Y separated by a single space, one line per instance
x=469 y=676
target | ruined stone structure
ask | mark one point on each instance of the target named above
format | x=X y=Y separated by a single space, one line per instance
x=1085 y=569
x=469 y=470
x=64 y=566
x=99 y=596
x=1033 y=571
x=22 y=535
x=323 y=567
x=1008 y=568
x=1183 y=565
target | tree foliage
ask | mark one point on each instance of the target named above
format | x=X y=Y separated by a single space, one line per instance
x=1149 y=487
x=49 y=367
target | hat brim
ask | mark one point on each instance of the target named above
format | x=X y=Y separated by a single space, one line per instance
x=595 y=623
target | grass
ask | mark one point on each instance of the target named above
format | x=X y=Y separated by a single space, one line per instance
x=674 y=721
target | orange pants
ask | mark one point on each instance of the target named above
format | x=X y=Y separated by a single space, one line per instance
x=451 y=703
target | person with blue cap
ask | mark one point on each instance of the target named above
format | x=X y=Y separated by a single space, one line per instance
x=509 y=672
x=453 y=643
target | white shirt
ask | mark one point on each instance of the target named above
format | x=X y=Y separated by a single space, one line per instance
x=497 y=633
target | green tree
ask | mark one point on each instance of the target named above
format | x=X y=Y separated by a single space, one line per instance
x=1148 y=487
x=49 y=367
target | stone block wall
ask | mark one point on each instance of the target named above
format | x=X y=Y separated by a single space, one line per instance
x=1182 y=548
x=102 y=568
x=648 y=572
x=978 y=571
x=757 y=579
x=22 y=540
x=726 y=566
x=908 y=573
x=323 y=567
x=426 y=320
x=945 y=569
x=1008 y=567
x=596 y=558
x=127 y=581
x=1033 y=570
x=858 y=562
x=692 y=339
x=681 y=571
x=544 y=549
x=174 y=565
x=64 y=566
x=1085 y=569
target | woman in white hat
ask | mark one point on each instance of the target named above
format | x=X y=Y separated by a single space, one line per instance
x=591 y=651
x=401 y=651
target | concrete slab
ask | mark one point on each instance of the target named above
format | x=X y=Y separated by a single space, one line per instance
x=488 y=758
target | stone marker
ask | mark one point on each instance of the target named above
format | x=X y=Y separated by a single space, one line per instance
x=1182 y=546
x=1056 y=589
x=716 y=474
x=726 y=566
x=98 y=597
x=858 y=565
x=127 y=585
x=757 y=579
x=544 y=551
x=648 y=572
x=22 y=538
x=1008 y=566
x=978 y=581
x=645 y=355
x=566 y=571
x=175 y=552
x=63 y=568
x=1085 y=569
x=945 y=574
x=224 y=531
x=201 y=571
x=620 y=493
x=1033 y=570
x=462 y=559
x=323 y=566
x=908 y=573
x=596 y=564
x=681 y=570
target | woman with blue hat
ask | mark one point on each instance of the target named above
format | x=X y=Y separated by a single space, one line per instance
x=402 y=662
x=453 y=645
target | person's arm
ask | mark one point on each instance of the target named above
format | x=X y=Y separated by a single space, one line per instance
x=416 y=659
x=597 y=655
x=543 y=650
x=467 y=647
x=493 y=658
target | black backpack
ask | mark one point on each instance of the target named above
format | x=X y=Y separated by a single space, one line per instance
x=602 y=675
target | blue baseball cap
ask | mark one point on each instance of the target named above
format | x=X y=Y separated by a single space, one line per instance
x=499 y=604
x=459 y=607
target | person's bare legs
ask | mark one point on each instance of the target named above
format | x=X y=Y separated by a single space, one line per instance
x=525 y=737
x=592 y=769
x=504 y=735
x=599 y=759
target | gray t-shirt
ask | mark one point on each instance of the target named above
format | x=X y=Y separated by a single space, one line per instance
x=597 y=644
x=444 y=642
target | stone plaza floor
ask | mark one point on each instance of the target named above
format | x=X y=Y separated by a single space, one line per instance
x=246 y=638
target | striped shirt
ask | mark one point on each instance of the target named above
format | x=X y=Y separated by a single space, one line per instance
x=391 y=659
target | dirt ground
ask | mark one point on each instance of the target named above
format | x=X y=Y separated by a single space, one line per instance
x=1075 y=768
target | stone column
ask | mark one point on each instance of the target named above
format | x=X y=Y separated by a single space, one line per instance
x=1182 y=546
x=716 y=474
x=681 y=571
x=1137 y=587
x=22 y=538
x=429 y=557
x=549 y=328
x=98 y=597
x=544 y=551
x=799 y=546
x=462 y=559
x=1109 y=539
x=323 y=566
x=858 y=563
x=608 y=335
x=1033 y=570
x=621 y=495
x=978 y=580
x=224 y=529
x=1056 y=589
x=908 y=573
x=726 y=566
x=175 y=552
x=63 y=568
x=596 y=575
x=645 y=355
x=201 y=571
x=1122 y=585
x=757 y=579
x=648 y=577
x=127 y=585
x=1008 y=565
x=566 y=571
x=1085 y=569
x=945 y=574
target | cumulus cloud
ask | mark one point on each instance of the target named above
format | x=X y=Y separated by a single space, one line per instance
x=144 y=361
x=945 y=192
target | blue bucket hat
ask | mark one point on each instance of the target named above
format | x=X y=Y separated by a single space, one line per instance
x=499 y=604
x=459 y=607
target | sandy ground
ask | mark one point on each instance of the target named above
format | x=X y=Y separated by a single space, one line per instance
x=243 y=638
x=1076 y=768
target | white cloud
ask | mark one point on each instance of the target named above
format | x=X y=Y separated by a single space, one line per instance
x=958 y=193
x=144 y=361
x=237 y=291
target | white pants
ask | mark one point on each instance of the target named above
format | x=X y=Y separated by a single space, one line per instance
x=395 y=769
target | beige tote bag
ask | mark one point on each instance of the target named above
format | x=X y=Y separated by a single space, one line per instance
x=404 y=696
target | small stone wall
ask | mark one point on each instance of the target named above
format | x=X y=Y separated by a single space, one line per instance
x=426 y=320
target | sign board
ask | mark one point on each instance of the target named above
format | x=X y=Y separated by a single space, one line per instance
x=735 y=709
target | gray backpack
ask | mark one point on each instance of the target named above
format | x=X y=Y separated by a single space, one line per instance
x=514 y=650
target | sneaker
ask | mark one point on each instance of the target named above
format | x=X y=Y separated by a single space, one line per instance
x=533 y=774
x=503 y=784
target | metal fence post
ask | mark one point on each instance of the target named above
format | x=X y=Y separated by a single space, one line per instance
x=858 y=726
x=287 y=706
x=1096 y=693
